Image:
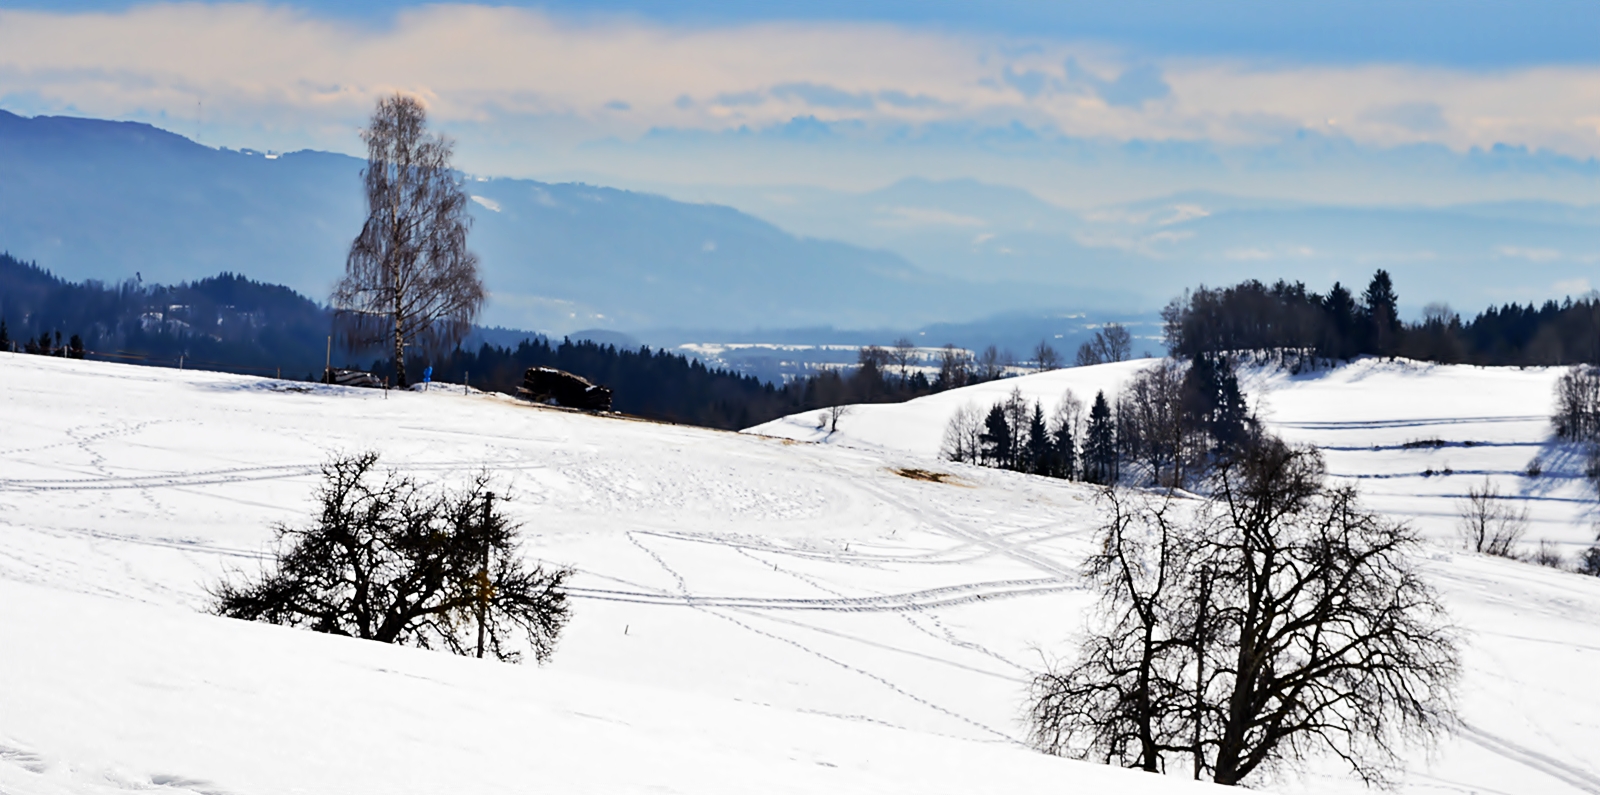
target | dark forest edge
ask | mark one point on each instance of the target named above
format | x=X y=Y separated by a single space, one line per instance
x=229 y=323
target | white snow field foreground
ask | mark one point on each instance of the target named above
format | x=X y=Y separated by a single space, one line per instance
x=750 y=614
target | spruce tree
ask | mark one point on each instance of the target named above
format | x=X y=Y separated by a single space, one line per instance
x=5 y=336
x=1064 y=454
x=1338 y=340
x=1100 y=443
x=1038 y=445
x=996 y=437
x=1383 y=318
x=1213 y=404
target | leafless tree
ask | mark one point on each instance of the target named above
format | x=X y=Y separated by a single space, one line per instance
x=903 y=355
x=1122 y=702
x=874 y=355
x=1151 y=428
x=1068 y=413
x=963 y=435
x=1489 y=523
x=1045 y=357
x=1016 y=410
x=1277 y=620
x=409 y=279
x=835 y=413
x=991 y=364
x=1112 y=343
x=386 y=559
x=955 y=366
x=1577 y=416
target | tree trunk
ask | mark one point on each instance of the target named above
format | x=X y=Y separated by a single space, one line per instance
x=399 y=345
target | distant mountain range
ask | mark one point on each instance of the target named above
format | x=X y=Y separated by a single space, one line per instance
x=1136 y=256
x=107 y=200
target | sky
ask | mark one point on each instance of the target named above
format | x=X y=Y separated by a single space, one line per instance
x=1093 y=107
x=1082 y=103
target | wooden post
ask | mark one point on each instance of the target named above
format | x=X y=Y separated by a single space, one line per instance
x=327 y=363
x=483 y=574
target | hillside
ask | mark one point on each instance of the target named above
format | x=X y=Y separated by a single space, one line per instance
x=751 y=614
x=1393 y=427
x=93 y=199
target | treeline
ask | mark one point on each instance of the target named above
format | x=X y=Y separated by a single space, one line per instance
x=1286 y=318
x=668 y=386
x=226 y=322
x=1170 y=426
x=229 y=323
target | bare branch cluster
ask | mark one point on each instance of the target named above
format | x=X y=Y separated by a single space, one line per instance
x=1113 y=343
x=389 y=560
x=1489 y=523
x=1277 y=621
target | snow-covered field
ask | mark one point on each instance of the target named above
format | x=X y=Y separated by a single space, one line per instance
x=752 y=614
x=1377 y=422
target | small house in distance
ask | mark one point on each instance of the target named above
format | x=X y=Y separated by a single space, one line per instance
x=549 y=385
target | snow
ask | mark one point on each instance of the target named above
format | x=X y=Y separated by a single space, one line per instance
x=1368 y=417
x=750 y=613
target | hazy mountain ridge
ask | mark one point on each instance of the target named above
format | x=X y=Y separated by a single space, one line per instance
x=108 y=200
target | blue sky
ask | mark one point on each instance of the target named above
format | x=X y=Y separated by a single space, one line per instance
x=1470 y=33
x=1091 y=106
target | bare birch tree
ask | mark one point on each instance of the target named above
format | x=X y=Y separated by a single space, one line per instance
x=409 y=279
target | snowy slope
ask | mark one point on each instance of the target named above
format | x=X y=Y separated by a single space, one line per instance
x=1369 y=417
x=751 y=614
x=876 y=628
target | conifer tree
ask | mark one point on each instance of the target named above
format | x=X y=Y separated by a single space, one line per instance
x=1383 y=318
x=1038 y=444
x=1100 y=443
x=996 y=437
x=1339 y=336
x=1064 y=452
x=5 y=337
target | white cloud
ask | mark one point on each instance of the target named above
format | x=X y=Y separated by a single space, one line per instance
x=1528 y=253
x=622 y=100
x=266 y=67
x=905 y=217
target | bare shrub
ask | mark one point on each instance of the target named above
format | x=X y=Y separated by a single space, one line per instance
x=1489 y=523
x=1589 y=561
x=386 y=559
x=1548 y=554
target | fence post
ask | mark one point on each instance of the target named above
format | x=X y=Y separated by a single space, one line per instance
x=483 y=574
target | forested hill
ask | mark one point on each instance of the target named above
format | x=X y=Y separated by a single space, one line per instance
x=229 y=323
x=225 y=322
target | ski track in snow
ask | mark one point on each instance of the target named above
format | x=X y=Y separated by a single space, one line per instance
x=923 y=597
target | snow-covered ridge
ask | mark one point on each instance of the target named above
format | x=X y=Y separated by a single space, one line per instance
x=1415 y=436
x=750 y=615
